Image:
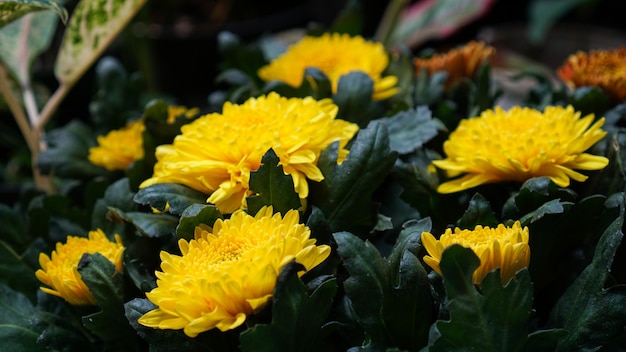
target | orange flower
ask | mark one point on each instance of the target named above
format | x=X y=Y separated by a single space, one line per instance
x=605 y=69
x=458 y=63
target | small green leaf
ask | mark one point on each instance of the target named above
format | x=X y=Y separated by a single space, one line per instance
x=16 y=332
x=590 y=100
x=408 y=310
x=10 y=10
x=345 y=196
x=195 y=215
x=150 y=225
x=354 y=98
x=591 y=314
x=555 y=206
x=92 y=26
x=367 y=285
x=119 y=196
x=478 y=213
x=297 y=318
x=15 y=271
x=411 y=129
x=106 y=285
x=494 y=319
x=272 y=187
x=68 y=148
x=179 y=197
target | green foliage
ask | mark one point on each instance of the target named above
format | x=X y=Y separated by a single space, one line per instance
x=390 y=297
x=592 y=313
x=354 y=99
x=16 y=332
x=492 y=319
x=272 y=187
x=161 y=195
x=68 y=148
x=409 y=130
x=105 y=283
x=478 y=213
x=297 y=318
x=345 y=196
x=195 y=215
x=150 y=225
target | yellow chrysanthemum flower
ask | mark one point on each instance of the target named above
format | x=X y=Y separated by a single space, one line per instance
x=119 y=148
x=60 y=271
x=600 y=68
x=228 y=273
x=458 y=63
x=520 y=144
x=215 y=153
x=501 y=247
x=335 y=55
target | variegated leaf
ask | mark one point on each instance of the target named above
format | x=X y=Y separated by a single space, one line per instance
x=24 y=39
x=92 y=27
x=435 y=19
x=11 y=10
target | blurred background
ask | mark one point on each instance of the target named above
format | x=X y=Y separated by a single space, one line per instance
x=173 y=43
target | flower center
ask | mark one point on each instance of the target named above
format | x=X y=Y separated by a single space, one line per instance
x=480 y=237
x=228 y=249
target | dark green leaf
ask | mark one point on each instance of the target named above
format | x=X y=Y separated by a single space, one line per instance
x=478 y=213
x=195 y=215
x=430 y=88
x=297 y=319
x=345 y=196
x=179 y=197
x=354 y=98
x=411 y=129
x=314 y=84
x=590 y=100
x=106 y=285
x=591 y=314
x=555 y=206
x=16 y=332
x=533 y=194
x=272 y=187
x=496 y=319
x=119 y=196
x=114 y=102
x=68 y=148
x=14 y=271
x=409 y=311
x=367 y=285
x=150 y=225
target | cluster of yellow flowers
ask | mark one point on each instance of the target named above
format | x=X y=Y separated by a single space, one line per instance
x=229 y=270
